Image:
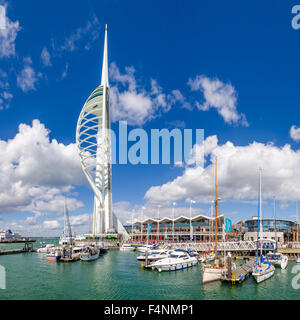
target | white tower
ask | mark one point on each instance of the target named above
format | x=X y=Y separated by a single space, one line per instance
x=94 y=149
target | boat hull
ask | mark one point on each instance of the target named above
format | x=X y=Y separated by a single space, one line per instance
x=89 y=257
x=264 y=273
x=175 y=266
x=212 y=274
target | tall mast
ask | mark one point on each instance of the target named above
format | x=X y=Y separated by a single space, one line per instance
x=216 y=208
x=260 y=212
x=275 y=223
x=297 y=222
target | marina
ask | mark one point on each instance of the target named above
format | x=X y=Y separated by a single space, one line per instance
x=118 y=275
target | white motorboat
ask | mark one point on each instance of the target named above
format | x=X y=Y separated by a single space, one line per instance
x=127 y=247
x=144 y=248
x=262 y=271
x=277 y=259
x=89 y=254
x=45 y=248
x=142 y=257
x=179 y=259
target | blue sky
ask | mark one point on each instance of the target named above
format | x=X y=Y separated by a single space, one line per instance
x=50 y=62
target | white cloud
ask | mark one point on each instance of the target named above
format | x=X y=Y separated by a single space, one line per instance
x=5 y=95
x=46 y=57
x=37 y=173
x=218 y=95
x=295 y=133
x=90 y=32
x=65 y=72
x=237 y=174
x=27 y=78
x=51 y=224
x=133 y=103
x=8 y=37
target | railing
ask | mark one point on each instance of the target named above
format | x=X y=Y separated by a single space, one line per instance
x=228 y=246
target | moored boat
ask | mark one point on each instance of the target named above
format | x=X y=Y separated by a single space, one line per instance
x=262 y=271
x=89 y=254
x=179 y=259
x=127 y=247
x=277 y=259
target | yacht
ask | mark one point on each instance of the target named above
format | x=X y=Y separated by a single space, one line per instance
x=142 y=257
x=45 y=248
x=89 y=254
x=54 y=254
x=277 y=259
x=179 y=259
x=155 y=256
x=127 y=247
x=262 y=271
x=144 y=248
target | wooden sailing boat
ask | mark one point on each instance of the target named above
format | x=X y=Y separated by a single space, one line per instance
x=263 y=269
x=214 y=272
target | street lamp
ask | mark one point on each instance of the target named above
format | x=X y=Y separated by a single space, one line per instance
x=158 y=222
x=174 y=203
x=132 y=224
x=191 y=227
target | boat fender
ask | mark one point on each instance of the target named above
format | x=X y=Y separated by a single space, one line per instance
x=169 y=269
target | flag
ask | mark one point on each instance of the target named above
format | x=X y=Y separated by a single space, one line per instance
x=149 y=228
x=228 y=225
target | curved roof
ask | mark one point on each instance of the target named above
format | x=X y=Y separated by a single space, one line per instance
x=177 y=219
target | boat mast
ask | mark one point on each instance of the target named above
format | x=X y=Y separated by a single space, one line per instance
x=275 y=224
x=216 y=210
x=260 y=213
x=297 y=237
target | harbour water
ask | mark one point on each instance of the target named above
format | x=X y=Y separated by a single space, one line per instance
x=118 y=275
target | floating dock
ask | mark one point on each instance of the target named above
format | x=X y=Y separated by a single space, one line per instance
x=28 y=246
x=240 y=273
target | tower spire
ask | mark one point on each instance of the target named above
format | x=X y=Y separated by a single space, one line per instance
x=104 y=77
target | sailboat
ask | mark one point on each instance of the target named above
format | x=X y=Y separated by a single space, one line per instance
x=214 y=272
x=67 y=238
x=263 y=269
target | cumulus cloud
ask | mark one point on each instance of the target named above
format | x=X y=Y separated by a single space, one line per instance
x=36 y=173
x=295 y=133
x=237 y=174
x=46 y=57
x=219 y=95
x=133 y=103
x=51 y=224
x=27 y=78
x=8 y=36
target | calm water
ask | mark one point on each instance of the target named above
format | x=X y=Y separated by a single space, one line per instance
x=118 y=275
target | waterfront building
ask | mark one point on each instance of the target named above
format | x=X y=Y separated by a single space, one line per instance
x=285 y=229
x=152 y=229
x=94 y=149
